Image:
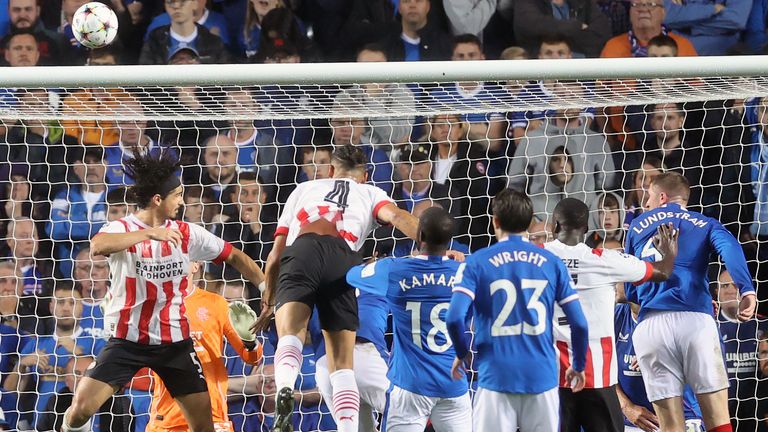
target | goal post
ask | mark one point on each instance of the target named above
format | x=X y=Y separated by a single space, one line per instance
x=594 y=129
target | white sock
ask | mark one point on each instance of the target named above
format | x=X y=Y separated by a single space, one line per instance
x=65 y=427
x=288 y=360
x=346 y=400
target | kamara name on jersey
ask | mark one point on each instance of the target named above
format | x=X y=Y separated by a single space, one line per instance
x=168 y=270
x=685 y=216
x=426 y=279
x=506 y=257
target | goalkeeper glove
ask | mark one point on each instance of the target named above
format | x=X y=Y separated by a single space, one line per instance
x=242 y=318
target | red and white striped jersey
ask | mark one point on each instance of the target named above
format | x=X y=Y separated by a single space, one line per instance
x=352 y=206
x=145 y=303
x=595 y=273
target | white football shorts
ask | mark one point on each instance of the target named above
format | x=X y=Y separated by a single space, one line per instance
x=496 y=411
x=409 y=412
x=677 y=348
x=372 y=382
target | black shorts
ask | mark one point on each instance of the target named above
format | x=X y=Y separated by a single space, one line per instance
x=313 y=271
x=176 y=364
x=591 y=410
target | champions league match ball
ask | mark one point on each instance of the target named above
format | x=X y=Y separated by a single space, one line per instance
x=94 y=25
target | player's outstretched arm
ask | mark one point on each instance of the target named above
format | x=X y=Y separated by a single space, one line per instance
x=400 y=219
x=665 y=241
x=732 y=254
x=246 y=266
x=109 y=243
x=271 y=270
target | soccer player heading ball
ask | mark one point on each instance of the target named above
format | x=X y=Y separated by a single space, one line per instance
x=323 y=225
x=149 y=254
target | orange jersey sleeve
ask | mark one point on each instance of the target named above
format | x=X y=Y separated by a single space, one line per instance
x=208 y=316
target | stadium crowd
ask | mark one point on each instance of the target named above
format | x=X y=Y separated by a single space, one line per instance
x=61 y=181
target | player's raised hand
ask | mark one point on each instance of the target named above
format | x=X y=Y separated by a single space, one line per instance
x=575 y=379
x=747 y=307
x=641 y=417
x=165 y=234
x=665 y=240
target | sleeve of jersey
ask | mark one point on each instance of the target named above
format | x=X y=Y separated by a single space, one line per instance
x=114 y=227
x=455 y=321
x=730 y=251
x=289 y=212
x=579 y=333
x=204 y=246
x=628 y=268
x=372 y=278
x=251 y=357
x=380 y=199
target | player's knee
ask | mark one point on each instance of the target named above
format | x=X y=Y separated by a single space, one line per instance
x=81 y=410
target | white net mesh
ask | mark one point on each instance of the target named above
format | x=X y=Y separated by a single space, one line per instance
x=244 y=148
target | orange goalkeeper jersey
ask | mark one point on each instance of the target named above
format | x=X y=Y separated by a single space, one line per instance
x=208 y=324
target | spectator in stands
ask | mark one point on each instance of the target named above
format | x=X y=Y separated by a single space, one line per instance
x=280 y=26
x=415 y=38
x=316 y=162
x=22 y=242
x=10 y=346
x=53 y=47
x=44 y=358
x=640 y=184
x=562 y=181
x=118 y=204
x=243 y=223
x=211 y=20
x=356 y=131
x=133 y=140
x=755 y=37
x=16 y=309
x=88 y=101
x=462 y=166
x=662 y=46
x=385 y=131
x=741 y=356
x=349 y=26
x=563 y=128
x=200 y=205
x=257 y=150
x=617 y=12
x=485 y=128
x=415 y=173
x=469 y=17
x=646 y=18
x=712 y=27
x=21 y=49
x=91 y=276
x=249 y=39
x=220 y=165
x=183 y=31
x=582 y=22
x=17 y=192
x=539 y=232
x=606 y=219
x=79 y=211
x=53 y=416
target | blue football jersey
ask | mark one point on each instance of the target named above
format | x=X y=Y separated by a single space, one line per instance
x=418 y=291
x=740 y=350
x=687 y=289
x=92 y=320
x=514 y=286
x=630 y=380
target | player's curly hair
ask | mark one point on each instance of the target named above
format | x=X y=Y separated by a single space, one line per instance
x=150 y=172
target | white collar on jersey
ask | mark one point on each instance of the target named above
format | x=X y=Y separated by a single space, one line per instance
x=75 y=334
x=426 y=257
x=523 y=236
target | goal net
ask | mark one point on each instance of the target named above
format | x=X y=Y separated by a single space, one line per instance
x=435 y=134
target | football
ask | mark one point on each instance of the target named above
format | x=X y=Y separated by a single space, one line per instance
x=94 y=25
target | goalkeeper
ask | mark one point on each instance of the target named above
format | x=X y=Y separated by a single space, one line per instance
x=210 y=320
